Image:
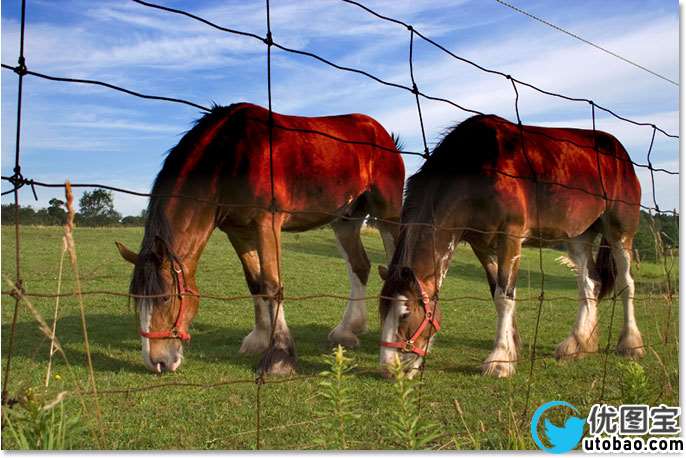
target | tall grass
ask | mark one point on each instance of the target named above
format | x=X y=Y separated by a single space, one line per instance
x=338 y=401
x=634 y=383
x=32 y=424
x=407 y=428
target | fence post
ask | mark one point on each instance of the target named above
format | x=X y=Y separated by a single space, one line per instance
x=17 y=181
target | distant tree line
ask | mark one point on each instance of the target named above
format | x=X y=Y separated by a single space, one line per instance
x=96 y=209
x=647 y=242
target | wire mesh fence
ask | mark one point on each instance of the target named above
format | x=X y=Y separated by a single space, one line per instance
x=21 y=296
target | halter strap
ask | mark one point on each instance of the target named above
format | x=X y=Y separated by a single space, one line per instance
x=409 y=345
x=183 y=290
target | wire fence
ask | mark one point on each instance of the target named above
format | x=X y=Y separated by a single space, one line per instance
x=17 y=180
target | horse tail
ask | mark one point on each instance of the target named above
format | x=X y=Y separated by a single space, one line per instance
x=605 y=267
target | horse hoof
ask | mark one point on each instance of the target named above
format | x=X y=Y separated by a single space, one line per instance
x=360 y=330
x=498 y=369
x=343 y=337
x=254 y=343
x=571 y=348
x=277 y=361
x=631 y=345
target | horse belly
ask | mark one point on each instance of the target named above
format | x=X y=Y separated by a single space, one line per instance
x=319 y=184
x=569 y=216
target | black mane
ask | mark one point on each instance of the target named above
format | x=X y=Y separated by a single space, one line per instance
x=177 y=156
x=158 y=235
x=463 y=150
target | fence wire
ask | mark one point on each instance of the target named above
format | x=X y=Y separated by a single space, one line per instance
x=17 y=180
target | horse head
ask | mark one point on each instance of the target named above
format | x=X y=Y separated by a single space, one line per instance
x=166 y=302
x=409 y=319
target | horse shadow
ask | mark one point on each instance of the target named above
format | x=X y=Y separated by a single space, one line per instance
x=329 y=250
x=460 y=269
x=108 y=334
x=113 y=340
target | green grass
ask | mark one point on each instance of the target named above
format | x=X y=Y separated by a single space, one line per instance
x=224 y=417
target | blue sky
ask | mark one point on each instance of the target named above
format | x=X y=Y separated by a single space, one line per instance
x=89 y=134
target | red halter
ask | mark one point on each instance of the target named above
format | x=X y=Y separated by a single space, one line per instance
x=175 y=332
x=409 y=345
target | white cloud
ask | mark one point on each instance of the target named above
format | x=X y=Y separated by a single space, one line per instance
x=146 y=49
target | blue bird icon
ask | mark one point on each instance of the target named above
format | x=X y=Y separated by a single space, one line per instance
x=562 y=438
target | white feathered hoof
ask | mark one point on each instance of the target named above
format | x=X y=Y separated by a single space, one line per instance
x=255 y=343
x=499 y=364
x=360 y=328
x=278 y=361
x=573 y=348
x=631 y=344
x=343 y=336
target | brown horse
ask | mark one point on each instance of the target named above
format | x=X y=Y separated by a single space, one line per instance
x=327 y=170
x=493 y=186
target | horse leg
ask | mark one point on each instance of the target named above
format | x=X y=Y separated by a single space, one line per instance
x=584 y=336
x=501 y=361
x=386 y=209
x=489 y=262
x=245 y=244
x=355 y=317
x=630 y=340
x=389 y=236
x=280 y=356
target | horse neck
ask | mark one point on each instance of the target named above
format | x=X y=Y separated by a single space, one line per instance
x=189 y=225
x=426 y=244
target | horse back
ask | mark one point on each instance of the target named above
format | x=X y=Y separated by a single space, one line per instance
x=316 y=165
x=581 y=176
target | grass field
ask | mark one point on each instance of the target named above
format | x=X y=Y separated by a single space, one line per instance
x=224 y=417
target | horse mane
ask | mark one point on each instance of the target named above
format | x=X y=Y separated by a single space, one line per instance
x=146 y=279
x=177 y=155
x=158 y=235
x=461 y=151
x=397 y=141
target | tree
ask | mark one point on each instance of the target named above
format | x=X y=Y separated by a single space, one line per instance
x=96 y=208
x=135 y=220
x=27 y=215
x=56 y=214
x=668 y=228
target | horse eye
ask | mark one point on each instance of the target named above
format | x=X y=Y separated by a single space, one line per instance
x=165 y=299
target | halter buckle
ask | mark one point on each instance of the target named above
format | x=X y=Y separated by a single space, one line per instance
x=408 y=346
x=174 y=333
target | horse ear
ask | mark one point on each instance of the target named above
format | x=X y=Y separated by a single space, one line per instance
x=126 y=253
x=383 y=272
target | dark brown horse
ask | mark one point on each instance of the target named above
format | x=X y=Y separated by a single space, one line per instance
x=480 y=186
x=328 y=170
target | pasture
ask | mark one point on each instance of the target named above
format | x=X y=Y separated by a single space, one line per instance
x=224 y=417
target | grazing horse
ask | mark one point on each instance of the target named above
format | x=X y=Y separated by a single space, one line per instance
x=495 y=184
x=327 y=170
